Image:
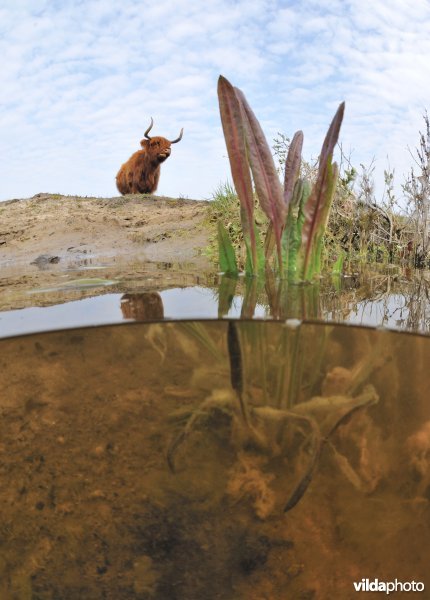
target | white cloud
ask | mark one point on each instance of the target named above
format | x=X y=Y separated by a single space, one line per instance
x=80 y=81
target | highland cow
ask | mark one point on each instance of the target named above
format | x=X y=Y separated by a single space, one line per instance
x=140 y=174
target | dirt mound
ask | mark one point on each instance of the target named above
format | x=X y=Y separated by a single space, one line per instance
x=51 y=228
x=47 y=240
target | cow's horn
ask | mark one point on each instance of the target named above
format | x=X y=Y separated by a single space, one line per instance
x=149 y=129
x=178 y=139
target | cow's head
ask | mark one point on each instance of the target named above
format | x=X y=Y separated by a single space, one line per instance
x=158 y=147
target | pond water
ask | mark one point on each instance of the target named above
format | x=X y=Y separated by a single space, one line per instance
x=394 y=298
x=213 y=460
x=173 y=436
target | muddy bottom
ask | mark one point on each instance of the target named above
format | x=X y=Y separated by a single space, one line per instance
x=128 y=471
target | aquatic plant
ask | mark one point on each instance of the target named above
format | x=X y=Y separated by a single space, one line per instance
x=362 y=226
x=297 y=213
x=263 y=430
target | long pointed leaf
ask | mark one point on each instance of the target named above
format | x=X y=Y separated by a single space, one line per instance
x=226 y=291
x=332 y=135
x=227 y=258
x=317 y=247
x=314 y=208
x=272 y=295
x=236 y=367
x=292 y=166
x=266 y=179
x=250 y=298
x=338 y=265
x=292 y=236
x=261 y=259
x=269 y=244
x=233 y=128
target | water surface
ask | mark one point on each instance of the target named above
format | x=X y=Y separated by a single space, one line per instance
x=394 y=298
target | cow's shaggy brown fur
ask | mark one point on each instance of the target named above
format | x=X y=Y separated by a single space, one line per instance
x=140 y=174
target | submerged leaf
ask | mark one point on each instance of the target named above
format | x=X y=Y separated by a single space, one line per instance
x=76 y=284
x=236 y=370
x=346 y=468
x=315 y=452
x=235 y=356
x=199 y=332
x=334 y=412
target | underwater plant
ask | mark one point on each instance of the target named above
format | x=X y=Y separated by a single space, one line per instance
x=263 y=429
x=297 y=212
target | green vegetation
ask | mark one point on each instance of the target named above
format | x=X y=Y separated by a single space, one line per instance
x=297 y=212
x=272 y=376
x=225 y=208
x=325 y=216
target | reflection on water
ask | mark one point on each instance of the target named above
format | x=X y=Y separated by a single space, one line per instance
x=397 y=300
x=205 y=460
x=146 y=306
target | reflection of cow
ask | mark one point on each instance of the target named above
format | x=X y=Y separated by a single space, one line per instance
x=140 y=174
x=147 y=306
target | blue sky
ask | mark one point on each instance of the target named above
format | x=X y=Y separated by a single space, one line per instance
x=81 y=79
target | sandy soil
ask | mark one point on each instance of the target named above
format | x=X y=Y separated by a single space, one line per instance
x=70 y=227
x=44 y=236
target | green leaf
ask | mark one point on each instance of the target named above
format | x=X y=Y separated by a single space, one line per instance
x=227 y=258
x=338 y=265
x=227 y=289
x=295 y=220
x=317 y=247
x=249 y=269
x=260 y=251
x=250 y=297
x=316 y=211
x=269 y=244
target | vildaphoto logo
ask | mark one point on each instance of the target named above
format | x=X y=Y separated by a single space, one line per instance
x=374 y=585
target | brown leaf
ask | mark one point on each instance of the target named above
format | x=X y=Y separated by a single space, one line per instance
x=266 y=179
x=292 y=166
x=315 y=208
x=234 y=134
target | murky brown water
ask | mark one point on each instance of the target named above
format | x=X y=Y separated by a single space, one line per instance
x=143 y=462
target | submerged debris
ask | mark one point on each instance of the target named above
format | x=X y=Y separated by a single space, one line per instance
x=247 y=480
x=264 y=431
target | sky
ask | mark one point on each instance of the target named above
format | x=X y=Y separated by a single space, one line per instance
x=80 y=81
